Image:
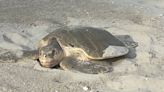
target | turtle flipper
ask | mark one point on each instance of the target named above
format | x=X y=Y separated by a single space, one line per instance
x=127 y=40
x=7 y=56
x=31 y=54
x=89 y=67
x=130 y=44
x=14 y=56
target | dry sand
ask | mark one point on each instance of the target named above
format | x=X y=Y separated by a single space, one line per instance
x=24 y=22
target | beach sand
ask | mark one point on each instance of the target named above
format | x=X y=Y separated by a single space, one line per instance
x=24 y=22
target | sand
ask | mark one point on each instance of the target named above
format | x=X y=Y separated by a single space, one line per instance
x=24 y=22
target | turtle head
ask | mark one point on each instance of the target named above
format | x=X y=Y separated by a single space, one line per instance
x=51 y=54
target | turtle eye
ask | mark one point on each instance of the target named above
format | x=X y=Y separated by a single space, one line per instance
x=53 y=52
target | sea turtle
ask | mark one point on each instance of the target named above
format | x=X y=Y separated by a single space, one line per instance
x=83 y=49
x=79 y=49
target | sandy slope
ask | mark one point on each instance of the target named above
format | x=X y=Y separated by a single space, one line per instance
x=24 y=22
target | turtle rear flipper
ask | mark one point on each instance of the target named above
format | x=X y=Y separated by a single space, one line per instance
x=127 y=40
x=89 y=67
x=130 y=44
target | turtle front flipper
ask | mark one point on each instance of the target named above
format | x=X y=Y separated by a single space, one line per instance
x=34 y=54
x=7 y=56
x=14 y=56
x=89 y=67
